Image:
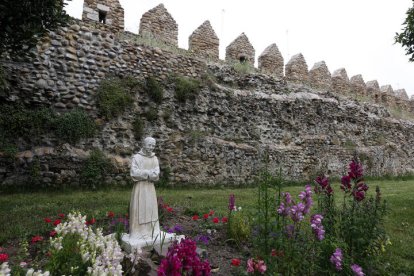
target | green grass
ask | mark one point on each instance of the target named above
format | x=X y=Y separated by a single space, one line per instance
x=21 y=214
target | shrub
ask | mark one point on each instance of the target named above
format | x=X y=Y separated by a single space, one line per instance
x=113 y=98
x=95 y=169
x=74 y=125
x=154 y=90
x=186 y=88
x=243 y=68
x=151 y=114
x=138 y=128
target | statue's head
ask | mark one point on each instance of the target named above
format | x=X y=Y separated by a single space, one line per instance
x=149 y=145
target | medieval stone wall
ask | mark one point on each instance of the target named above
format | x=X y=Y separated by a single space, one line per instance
x=271 y=61
x=108 y=12
x=240 y=50
x=204 y=42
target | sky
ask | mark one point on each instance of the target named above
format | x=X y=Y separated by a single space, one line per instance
x=357 y=35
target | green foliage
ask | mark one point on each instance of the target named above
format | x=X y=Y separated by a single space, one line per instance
x=3 y=83
x=23 y=24
x=113 y=97
x=74 y=125
x=152 y=114
x=154 y=90
x=239 y=227
x=165 y=177
x=406 y=37
x=138 y=128
x=186 y=88
x=68 y=260
x=95 y=169
x=243 y=68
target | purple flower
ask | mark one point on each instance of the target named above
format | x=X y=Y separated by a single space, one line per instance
x=317 y=227
x=323 y=185
x=336 y=259
x=203 y=238
x=355 y=170
x=346 y=183
x=232 y=201
x=290 y=230
x=357 y=270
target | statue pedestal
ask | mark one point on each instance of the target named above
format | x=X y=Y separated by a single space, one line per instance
x=160 y=242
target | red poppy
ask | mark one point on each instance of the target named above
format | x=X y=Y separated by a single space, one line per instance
x=110 y=214
x=4 y=257
x=91 y=221
x=224 y=220
x=216 y=220
x=57 y=222
x=235 y=262
x=61 y=215
x=211 y=213
x=195 y=217
x=47 y=220
x=169 y=209
x=52 y=233
x=37 y=238
x=205 y=216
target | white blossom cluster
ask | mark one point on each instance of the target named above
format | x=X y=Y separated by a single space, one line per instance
x=4 y=269
x=104 y=252
x=32 y=272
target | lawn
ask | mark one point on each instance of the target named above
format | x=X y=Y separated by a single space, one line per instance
x=22 y=214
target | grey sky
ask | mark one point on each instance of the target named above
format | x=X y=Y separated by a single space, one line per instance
x=354 y=34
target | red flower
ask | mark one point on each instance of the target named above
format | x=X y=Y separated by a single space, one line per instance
x=276 y=253
x=47 y=220
x=224 y=220
x=52 y=233
x=110 y=214
x=205 y=216
x=37 y=238
x=211 y=213
x=170 y=209
x=91 y=221
x=4 y=257
x=61 y=215
x=195 y=217
x=57 y=222
x=235 y=262
x=216 y=220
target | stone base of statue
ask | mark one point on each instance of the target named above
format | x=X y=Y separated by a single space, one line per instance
x=159 y=243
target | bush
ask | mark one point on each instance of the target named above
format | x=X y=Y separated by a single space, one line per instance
x=186 y=88
x=151 y=114
x=154 y=90
x=74 y=125
x=138 y=128
x=113 y=98
x=95 y=169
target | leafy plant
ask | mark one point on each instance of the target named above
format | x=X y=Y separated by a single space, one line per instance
x=154 y=89
x=138 y=128
x=95 y=169
x=152 y=114
x=113 y=97
x=406 y=36
x=186 y=88
x=74 y=125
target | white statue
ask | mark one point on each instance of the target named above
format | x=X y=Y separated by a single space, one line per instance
x=144 y=227
x=143 y=209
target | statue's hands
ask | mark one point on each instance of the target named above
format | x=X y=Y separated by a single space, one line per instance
x=153 y=176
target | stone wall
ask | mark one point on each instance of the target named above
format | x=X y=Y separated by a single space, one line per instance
x=109 y=12
x=358 y=86
x=340 y=82
x=204 y=42
x=240 y=50
x=296 y=70
x=320 y=77
x=157 y=23
x=71 y=62
x=271 y=61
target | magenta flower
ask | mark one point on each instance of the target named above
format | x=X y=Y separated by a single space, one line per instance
x=346 y=183
x=336 y=259
x=254 y=265
x=317 y=227
x=232 y=201
x=355 y=170
x=323 y=186
x=357 y=270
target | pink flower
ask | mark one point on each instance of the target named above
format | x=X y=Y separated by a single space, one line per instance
x=357 y=270
x=256 y=265
x=211 y=213
x=250 y=266
x=4 y=257
x=52 y=233
x=261 y=266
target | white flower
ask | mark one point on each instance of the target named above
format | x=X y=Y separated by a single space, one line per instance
x=4 y=269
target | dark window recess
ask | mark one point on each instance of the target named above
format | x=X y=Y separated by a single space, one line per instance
x=102 y=17
x=242 y=59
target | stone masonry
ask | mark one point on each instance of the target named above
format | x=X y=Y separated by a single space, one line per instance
x=358 y=86
x=240 y=50
x=373 y=91
x=296 y=70
x=340 y=82
x=402 y=100
x=204 y=42
x=109 y=12
x=271 y=61
x=387 y=95
x=157 y=23
x=320 y=77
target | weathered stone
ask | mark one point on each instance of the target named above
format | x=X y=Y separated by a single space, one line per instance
x=358 y=87
x=204 y=41
x=240 y=50
x=157 y=23
x=296 y=70
x=271 y=61
x=320 y=77
x=373 y=91
x=388 y=95
x=108 y=12
x=340 y=82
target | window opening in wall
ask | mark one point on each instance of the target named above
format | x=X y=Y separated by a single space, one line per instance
x=242 y=59
x=102 y=17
